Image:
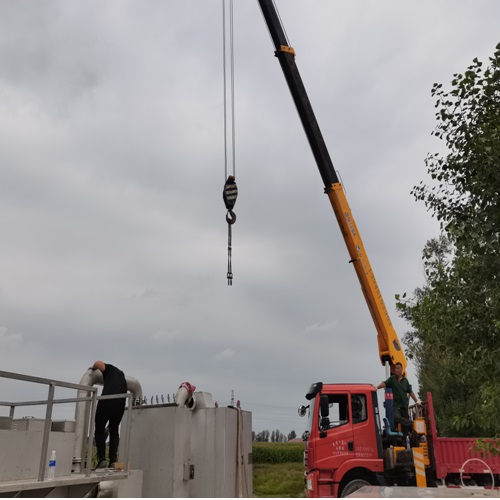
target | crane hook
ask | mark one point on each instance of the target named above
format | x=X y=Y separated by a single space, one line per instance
x=230 y=217
x=229 y=195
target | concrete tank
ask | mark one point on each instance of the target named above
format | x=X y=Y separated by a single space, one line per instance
x=214 y=452
x=192 y=453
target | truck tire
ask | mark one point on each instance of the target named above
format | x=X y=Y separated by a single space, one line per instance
x=353 y=486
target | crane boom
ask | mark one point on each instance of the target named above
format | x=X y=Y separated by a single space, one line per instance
x=388 y=343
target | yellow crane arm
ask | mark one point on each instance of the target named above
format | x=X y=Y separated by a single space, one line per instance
x=388 y=343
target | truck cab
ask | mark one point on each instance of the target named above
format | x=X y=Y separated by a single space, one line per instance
x=347 y=448
x=343 y=439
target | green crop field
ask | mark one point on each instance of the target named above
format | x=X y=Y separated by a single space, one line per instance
x=278 y=453
x=278 y=470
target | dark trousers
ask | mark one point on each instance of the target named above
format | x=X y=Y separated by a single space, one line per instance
x=108 y=410
x=402 y=417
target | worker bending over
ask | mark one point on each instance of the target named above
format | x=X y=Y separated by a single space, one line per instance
x=109 y=410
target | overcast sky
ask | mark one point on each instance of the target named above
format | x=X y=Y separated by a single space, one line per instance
x=113 y=232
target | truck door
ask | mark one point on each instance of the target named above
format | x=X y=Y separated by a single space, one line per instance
x=336 y=442
x=364 y=428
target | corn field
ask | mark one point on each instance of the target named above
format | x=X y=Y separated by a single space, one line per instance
x=278 y=453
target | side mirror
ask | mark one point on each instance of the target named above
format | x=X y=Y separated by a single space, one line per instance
x=324 y=405
x=302 y=410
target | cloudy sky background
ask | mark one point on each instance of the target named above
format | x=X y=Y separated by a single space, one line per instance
x=113 y=233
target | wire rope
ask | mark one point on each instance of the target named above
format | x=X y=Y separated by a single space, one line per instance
x=281 y=24
x=224 y=78
x=228 y=47
x=233 y=126
x=462 y=469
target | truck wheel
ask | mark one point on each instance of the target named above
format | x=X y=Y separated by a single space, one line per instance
x=353 y=486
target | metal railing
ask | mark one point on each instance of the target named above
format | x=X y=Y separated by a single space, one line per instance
x=50 y=402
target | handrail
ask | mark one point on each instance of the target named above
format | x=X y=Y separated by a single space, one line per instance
x=46 y=381
x=60 y=401
x=50 y=402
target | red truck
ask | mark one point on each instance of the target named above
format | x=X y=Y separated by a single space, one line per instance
x=347 y=447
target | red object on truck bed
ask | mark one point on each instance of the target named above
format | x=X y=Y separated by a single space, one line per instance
x=450 y=454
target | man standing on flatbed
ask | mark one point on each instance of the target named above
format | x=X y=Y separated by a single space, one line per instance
x=401 y=391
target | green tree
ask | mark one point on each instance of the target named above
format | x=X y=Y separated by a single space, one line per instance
x=261 y=437
x=455 y=316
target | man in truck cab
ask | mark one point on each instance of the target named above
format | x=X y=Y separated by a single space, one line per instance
x=401 y=391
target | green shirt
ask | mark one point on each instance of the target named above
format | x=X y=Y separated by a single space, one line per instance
x=401 y=391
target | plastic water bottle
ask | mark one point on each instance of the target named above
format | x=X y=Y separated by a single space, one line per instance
x=52 y=466
x=407 y=442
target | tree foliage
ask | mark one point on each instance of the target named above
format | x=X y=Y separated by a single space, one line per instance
x=274 y=437
x=261 y=437
x=455 y=316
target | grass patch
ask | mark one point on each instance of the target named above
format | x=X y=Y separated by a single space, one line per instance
x=285 y=480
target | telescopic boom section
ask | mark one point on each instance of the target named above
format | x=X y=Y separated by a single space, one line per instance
x=388 y=342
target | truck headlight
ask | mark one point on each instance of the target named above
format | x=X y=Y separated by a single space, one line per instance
x=309 y=482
